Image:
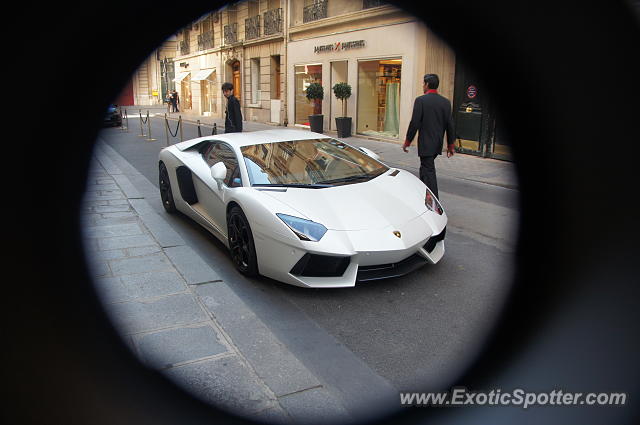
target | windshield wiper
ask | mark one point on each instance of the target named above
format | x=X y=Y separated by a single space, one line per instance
x=347 y=179
x=301 y=185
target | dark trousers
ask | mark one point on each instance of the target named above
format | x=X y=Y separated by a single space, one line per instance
x=428 y=173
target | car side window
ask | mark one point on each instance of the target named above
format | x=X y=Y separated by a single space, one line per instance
x=221 y=152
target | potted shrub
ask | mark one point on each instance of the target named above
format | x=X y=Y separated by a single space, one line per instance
x=315 y=94
x=343 y=123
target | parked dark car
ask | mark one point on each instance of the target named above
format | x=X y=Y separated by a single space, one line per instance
x=112 y=117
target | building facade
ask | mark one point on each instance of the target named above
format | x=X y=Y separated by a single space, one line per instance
x=379 y=50
x=243 y=44
x=153 y=78
x=271 y=50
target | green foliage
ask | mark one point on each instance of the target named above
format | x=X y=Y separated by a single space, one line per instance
x=315 y=91
x=342 y=91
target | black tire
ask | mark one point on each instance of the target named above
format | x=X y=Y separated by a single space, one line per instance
x=165 y=189
x=241 y=246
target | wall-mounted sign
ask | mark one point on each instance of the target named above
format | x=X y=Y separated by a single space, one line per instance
x=339 y=46
x=472 y=91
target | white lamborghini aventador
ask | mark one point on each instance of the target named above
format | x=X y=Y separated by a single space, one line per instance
x=303 y=208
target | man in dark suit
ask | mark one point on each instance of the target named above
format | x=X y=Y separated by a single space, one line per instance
x=232 y=114
x=431 y=117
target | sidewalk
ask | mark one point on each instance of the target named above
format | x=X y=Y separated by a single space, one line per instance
x=462 y=166
x=178 y=316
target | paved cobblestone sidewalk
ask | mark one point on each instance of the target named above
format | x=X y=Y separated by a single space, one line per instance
x=178 y=316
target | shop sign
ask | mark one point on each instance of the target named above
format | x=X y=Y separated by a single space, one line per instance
x=339 y=46
x=472 y=91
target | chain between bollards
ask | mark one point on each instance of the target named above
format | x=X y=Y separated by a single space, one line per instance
x=168 y=130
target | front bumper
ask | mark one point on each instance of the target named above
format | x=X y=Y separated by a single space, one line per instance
x=343 y=258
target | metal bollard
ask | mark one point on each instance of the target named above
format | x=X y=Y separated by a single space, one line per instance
x=126 y=114
x=180 y=125
x=199 y=131
x=149 y=138
x=166 y=128
x=141 y=131
x=215 y=129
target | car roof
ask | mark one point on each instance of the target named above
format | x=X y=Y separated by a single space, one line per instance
x=255 y=137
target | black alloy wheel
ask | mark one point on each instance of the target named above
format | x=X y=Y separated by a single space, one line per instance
x=241 y=246
x=165 y=190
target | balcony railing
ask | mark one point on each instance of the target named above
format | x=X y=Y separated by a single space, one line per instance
x=273 y=21
x=205 y=40
x=184 y=47
x=318 y=10
x=368 y=4
x=252 y=27
x=231 y=33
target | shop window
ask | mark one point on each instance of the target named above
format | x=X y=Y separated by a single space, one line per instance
x=379 y=97
x=305 y=75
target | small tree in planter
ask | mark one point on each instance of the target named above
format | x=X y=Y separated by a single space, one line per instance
x=315 y=93
x=343 y=123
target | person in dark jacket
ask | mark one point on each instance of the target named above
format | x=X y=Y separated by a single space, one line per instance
x=431 y=119
x=175 y=101
x=232 y=114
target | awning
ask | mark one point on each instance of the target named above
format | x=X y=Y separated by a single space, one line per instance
x=203 y=74
x=181 y=76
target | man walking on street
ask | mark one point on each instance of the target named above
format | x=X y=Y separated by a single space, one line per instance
x=175 y=101
x=431 y=117
x=232 y=114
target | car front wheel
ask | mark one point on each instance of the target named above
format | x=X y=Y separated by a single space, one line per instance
x=241 y=246
x=165 y=190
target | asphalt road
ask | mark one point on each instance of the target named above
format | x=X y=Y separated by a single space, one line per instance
x=417 y=331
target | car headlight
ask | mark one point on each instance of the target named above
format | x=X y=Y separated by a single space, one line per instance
x=432 y=203
x=306 y=230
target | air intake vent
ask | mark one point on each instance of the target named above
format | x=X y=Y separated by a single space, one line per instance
x=313 y=265
x=433 y=240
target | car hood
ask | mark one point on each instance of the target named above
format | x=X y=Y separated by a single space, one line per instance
x=383 y=201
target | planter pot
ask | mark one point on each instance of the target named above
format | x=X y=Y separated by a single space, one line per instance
x=316 y=122
x=343 y=125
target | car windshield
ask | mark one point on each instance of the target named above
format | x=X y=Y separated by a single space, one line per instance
x=315 y=162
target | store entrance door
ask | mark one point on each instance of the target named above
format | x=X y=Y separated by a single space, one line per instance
x=237 y=88
x=470 y=112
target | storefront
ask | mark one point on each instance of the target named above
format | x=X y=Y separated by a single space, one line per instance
x=479 y=129
x=206 y=78
x=384 y=75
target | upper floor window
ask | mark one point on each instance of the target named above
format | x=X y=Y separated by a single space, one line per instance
x=314 y=10
x=184 y=43
x=205 y=38
x=254 y=8
x=368 y=4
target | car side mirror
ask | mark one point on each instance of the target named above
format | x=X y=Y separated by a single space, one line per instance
x=370 y=153
x=219 y=171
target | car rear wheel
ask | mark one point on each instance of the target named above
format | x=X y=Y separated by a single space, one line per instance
x=165 y=190
x=241 y=246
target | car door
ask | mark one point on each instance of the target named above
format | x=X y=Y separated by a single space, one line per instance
x=212 y=196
